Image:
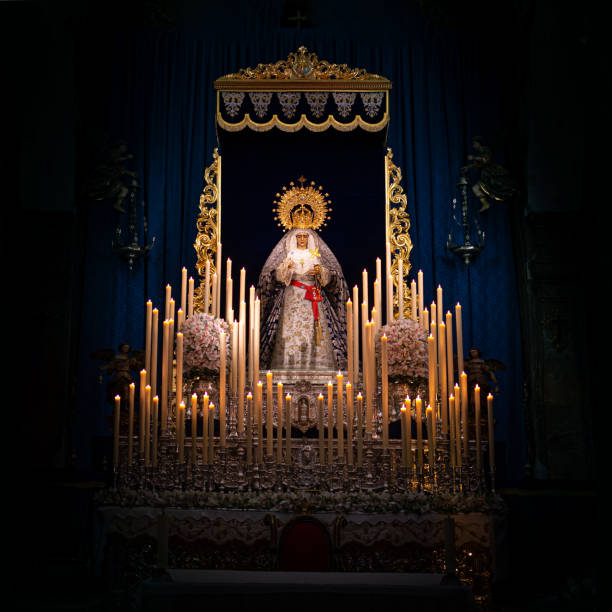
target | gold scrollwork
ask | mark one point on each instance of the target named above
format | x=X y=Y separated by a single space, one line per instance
x=303 y=65
x=208 y=226
x=398 y=224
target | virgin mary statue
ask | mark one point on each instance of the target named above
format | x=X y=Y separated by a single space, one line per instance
x=303 y=295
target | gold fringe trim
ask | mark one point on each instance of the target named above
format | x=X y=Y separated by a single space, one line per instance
x=303 y=122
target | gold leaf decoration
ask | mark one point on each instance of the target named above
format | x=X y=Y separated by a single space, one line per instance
x=303 y=65
x=208 y=227
x=399 y=236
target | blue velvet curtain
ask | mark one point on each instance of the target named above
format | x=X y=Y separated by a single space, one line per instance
x=163 y=106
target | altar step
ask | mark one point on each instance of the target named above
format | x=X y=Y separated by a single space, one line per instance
x=302 y=592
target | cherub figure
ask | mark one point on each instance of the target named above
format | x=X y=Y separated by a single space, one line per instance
x=480 y=372
x=494 y=180
x=120 y=365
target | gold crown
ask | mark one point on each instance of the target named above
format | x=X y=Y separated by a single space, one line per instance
x=303 y=207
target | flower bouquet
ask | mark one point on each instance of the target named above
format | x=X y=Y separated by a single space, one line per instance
x=408 y=358
x=201 y=346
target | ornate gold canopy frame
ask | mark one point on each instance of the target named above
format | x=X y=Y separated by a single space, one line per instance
x=303 y=72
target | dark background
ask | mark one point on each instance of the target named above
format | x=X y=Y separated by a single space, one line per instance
x=529 y=78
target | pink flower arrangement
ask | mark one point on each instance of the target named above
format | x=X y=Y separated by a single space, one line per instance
x=201 y=344
x=406 y=349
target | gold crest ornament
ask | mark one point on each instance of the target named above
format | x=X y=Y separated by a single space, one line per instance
x=303 y=207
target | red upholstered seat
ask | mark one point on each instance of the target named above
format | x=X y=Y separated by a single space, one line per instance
x=304 y=546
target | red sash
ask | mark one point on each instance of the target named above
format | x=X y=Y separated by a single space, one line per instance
x=312 y=294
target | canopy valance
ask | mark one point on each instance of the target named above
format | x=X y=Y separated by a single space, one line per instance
x=302 y=92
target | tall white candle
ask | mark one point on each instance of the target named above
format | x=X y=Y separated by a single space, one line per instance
x=207 y=287
x=464 y=412
x=167 y=302
x=155 y=419
x=321 y=428
x=229 y=304
x=218 y=272
x=132 y=393
x=180 y=432
x=477 y=418
x=442 y=362
x=154 y=343
x=449 y=351
x=279 y=422
x=364 y=287
x=194 y=428
x=256 y=337
x=205 y=401
x=190 y=293
x=269 y=415
x=288 y=420
x=364 y=347
x=371 y=378
x=421 y=298
x=349 y=422
x=359 y=429
x=459 y=331
x=340 y=412
x=452 y=438
x=164 y=375
x=259 y=419
x=215 y=289
x=147 y=417
x=251 y=332
x=439 y=305
x=355 y=373
x=222 y=384
x=179 y=367
x=184 y=289
x=431 y=437
x=384 y=366
x=242 y=286
x=142 y=410
x=491 y=432
x=431 y=376
x=148 y=338
x=389 y=299
x=249 y=427
x=171 y=349
x=349 y=338
x=330 y=422
x=413 y=300
x=147 y=427
x=419 y=431
x=241 y=372
x=404 y=421
x=211 y=432
x=234 y=385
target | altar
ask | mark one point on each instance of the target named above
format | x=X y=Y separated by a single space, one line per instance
x=298 y=403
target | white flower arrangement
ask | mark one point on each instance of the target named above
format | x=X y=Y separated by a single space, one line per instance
x=406 y=350
x=345 y=502
x=201 y=344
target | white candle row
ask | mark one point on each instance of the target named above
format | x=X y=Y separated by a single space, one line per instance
x=458 y=419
